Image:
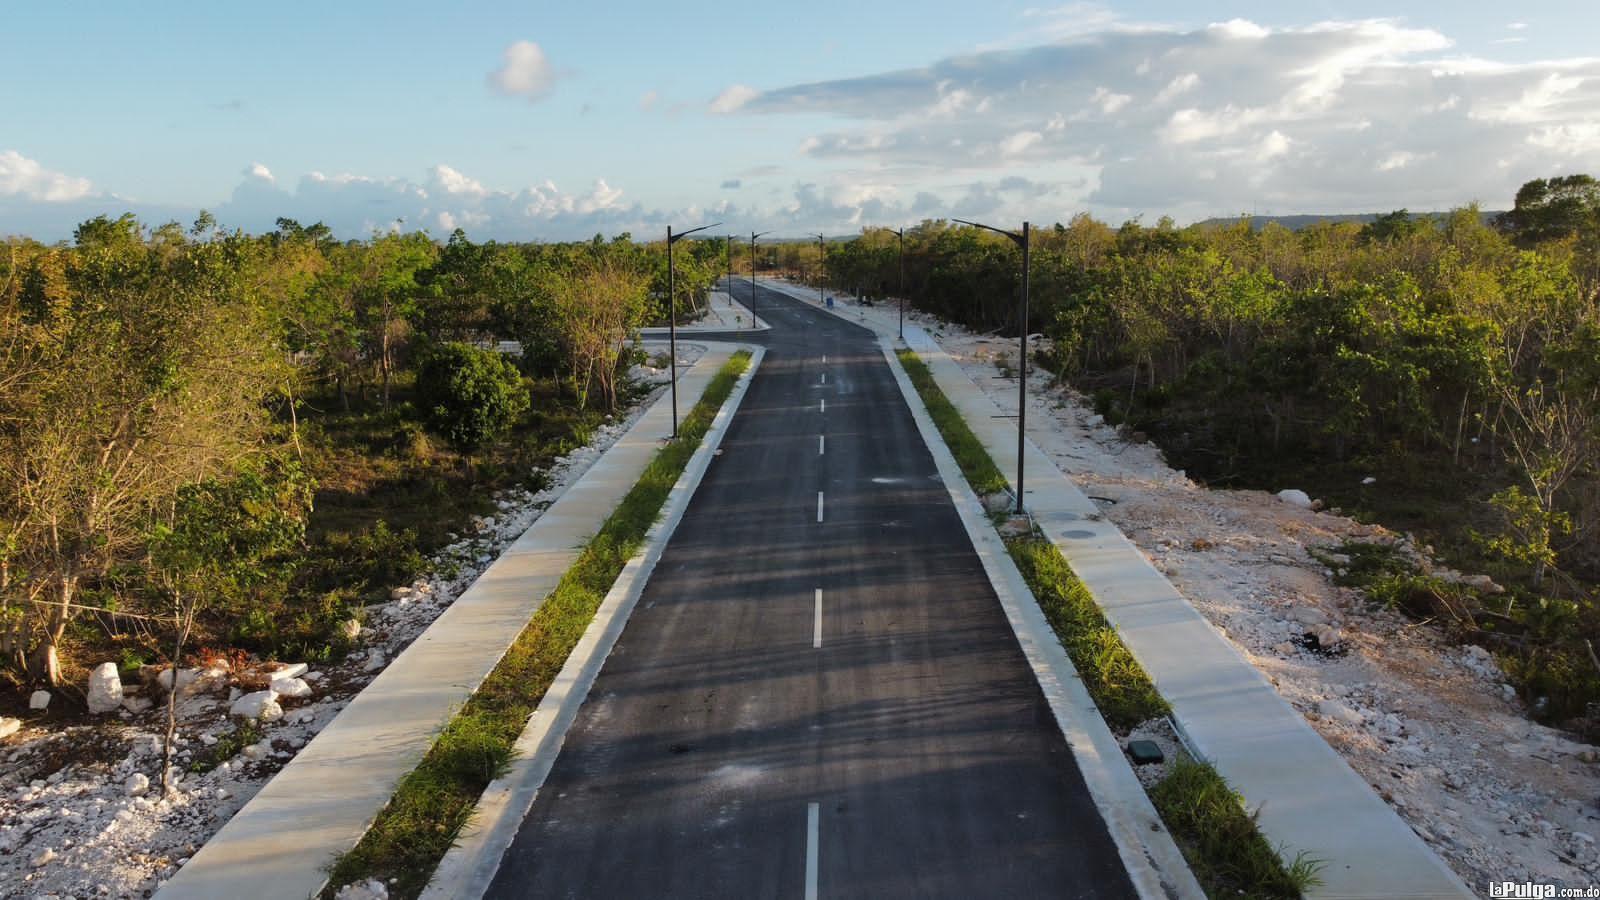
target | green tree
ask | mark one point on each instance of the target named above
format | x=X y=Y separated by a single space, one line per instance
x=469 y=395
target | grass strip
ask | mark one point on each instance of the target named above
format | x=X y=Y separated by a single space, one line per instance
x=1225 y=848
x=432 y=803
x=1219 y=838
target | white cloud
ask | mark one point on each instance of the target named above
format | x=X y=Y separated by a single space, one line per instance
x=257 y=170
x=1108 y=100
x=1401 y=159
x=453 y=182
x=526 y=72
x=1220 y=118
x=1517 y=26
x=1183 y=84
x=1020 y=143
x=26 y=178
x=1273 y=146
x=1238 y=29
x=733 y=98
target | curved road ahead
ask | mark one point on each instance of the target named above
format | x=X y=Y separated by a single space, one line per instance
x=818 y=693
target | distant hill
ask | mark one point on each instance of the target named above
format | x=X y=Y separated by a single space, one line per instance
x=1295 y=223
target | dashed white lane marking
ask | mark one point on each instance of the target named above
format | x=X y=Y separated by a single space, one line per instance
x=822 y=444
x=819 y=506
x=816 y=623
x=824 y=377
x=824 y=359
x=813 y=825
x=822 y=406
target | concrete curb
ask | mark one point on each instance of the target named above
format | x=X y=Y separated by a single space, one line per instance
x=326 y=798
x=661 y=332
x=1154 y=863
x=469 y=868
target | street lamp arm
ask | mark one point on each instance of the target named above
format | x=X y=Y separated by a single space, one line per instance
x=1019 y=239
x=674 y=238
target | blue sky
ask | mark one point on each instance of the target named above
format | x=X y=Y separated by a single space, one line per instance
x=557 y=120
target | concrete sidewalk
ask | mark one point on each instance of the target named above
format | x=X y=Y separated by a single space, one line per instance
x=1310 y=799
x=280 y=843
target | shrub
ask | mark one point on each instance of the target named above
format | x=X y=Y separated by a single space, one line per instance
x=468 y=395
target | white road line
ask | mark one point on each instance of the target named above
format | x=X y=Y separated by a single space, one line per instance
x=822 y=406
x=824 y=377
x=822 y=444
x=813 y=824
x=824 y=359
x=819 y=506
x=816 y=623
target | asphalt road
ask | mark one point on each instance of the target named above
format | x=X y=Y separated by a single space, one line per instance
x=738 y=743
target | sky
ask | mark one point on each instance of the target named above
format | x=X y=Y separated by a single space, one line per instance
x=555 y=121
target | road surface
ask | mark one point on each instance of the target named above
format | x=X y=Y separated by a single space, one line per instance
x=818 y=694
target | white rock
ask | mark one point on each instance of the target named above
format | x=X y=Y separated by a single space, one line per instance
x=292 y=688
x=135 y=704
x=371 y=889
x=105 y=689
x=136 y=784
x=294 y=670
x=1295 y=497
x=1308 y=615
x=9 y=726
x=258 y=705
x=375 y=661
x=39 y=700
x=1337 y=711
x=186 y=679
x=1369 y=480
x=43 y=858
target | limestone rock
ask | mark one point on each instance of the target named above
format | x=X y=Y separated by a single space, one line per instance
x=292 y=688
x=136 y=784
x=1338 y=711
x=293 y=670
x=8 y=726
x=258 y=705
x=1295 y=497
x=105 y=689
x=39 y=700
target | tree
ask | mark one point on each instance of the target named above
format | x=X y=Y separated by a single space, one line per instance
x=469 y=395
x=599 y=303
x=220 y=537
x=150 y=374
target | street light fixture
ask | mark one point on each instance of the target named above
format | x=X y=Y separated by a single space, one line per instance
x=672 y=315
x=822 y=268
x=753 y=236
x=1021 y=240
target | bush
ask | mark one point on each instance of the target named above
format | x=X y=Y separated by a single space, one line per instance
x=469 y=396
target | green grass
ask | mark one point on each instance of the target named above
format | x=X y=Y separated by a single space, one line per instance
x=1220 y=839
x=1208 y=820
x=975 y=462
x=433 y=802
x=1119 y=685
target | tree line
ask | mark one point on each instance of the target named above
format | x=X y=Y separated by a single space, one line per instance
x=1455 y=359
x=157 y=384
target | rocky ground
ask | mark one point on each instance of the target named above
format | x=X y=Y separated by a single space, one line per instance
x=1430 y=725
x=81 y=810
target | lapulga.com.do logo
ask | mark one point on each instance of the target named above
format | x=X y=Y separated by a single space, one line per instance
x=1521 y=891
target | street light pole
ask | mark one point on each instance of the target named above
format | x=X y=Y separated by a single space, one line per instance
x=822 y=268
x=672 y=316
x=901 y=234
x=753 y=236
x=1021 y=240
